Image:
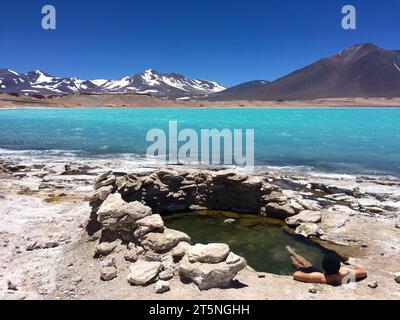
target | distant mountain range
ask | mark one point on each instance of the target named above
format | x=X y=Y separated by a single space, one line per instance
x=363 y=71
x=167 y=86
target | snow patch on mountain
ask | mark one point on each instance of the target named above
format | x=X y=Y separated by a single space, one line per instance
x=99 y=82
x=13 y=72
x=41 y=78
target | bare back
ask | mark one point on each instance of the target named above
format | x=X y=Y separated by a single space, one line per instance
x=345 y=275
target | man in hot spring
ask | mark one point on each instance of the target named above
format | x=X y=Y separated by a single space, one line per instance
x=334 y=272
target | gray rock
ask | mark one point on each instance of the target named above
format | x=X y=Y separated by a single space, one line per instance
x=207 y=276
x=397 y=277
x=195 y=207
x=102 y=177
x=50 y=244
x=143 y=272
x=105 y=248
x=152 y=222
x=161 y=287
x=141 y=231
x=279 y=211
x=32 y=246
x=131 y=245
x=104 y=183
x=152 y=256
x=309 y=230
x=373 y=284
x=167 y=274
x=44 y=244
x=108 y=273
x=334 y=220
x=375 y=209
x=100 y=194
x=296 y=206
x=181 y=249
x=164 y=241
x=229 y=221
x=167 y=261
x=11 y=285
x=211 y=253
x=305 y=216
x=309 y=204
x=232 y=258
x=397 y=226
x=131 y=255
x=116 y=214
x=225 y=173
x=95 y=236
x=313 y=290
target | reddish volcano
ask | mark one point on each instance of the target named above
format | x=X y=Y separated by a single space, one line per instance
x=361 y=71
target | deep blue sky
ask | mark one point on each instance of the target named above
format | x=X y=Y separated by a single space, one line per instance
x=228 y=41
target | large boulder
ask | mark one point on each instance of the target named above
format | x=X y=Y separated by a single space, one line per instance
x=279 y=211
x=105 y=248
x=305 y=216
x=211 y=253
x=180 y=250
x=116 y=214
x=152 y=222
x=334 y=221
x=309 y=230
x=100 y=194
x=159 y=242
x=207 y=276
x=143 y=272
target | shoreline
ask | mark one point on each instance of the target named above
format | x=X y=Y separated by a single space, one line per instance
x=57 y=195
x=129 y=160
x=131 y=101
x=194 y=107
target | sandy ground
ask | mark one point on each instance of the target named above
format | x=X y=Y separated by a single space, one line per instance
x=144 y=101
x=48 y=209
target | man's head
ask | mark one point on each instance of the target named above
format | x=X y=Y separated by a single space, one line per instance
x=331 y=264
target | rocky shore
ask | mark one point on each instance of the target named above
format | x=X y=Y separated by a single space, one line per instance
x=91 y=229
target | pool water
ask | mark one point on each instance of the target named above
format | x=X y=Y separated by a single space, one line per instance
x=255 y=238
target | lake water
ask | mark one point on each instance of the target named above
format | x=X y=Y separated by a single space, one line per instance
x=342 y=140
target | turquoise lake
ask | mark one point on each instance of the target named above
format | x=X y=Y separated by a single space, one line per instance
x=341 y=140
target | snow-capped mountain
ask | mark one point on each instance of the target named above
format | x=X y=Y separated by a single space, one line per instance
x=166 y=86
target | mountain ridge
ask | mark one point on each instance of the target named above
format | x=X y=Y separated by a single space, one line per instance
x=167 y=86
x=362 y=71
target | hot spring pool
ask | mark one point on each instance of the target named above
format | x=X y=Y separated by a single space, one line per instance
x=254 y=238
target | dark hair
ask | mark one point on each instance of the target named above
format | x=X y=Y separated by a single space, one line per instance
x=331 y=264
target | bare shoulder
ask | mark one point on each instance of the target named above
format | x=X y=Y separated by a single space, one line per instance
x=355 y=273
